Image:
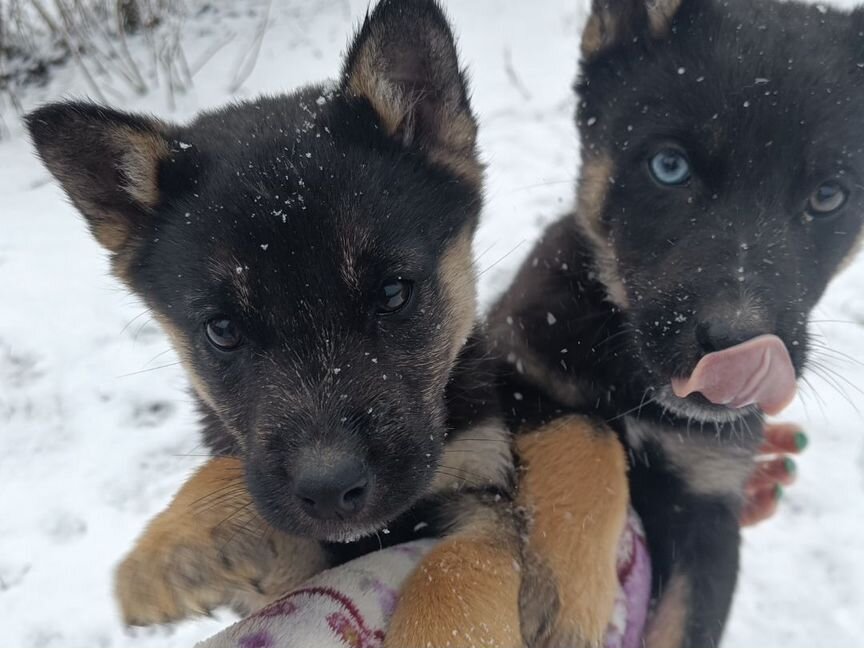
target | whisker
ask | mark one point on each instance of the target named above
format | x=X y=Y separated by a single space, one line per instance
x=516 y=247
x=132 y=321
x=135 y=373
x=158 y=355
x=454 y=475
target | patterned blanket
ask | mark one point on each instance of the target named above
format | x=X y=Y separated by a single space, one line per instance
x=348 y=607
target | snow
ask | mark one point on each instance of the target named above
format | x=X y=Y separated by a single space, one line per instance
x=96 y=431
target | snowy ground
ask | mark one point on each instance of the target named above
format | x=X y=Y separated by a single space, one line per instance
x=96 y=432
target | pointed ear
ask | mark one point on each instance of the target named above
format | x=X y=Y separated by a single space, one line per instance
x=616 y=22
x=107 y=163
x=404 y=63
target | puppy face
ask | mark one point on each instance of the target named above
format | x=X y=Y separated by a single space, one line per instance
x=310 y=257
x=723 y=157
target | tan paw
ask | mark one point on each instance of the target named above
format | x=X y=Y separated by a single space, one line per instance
x=209 y=549
x=575 y=492
x=463 y=594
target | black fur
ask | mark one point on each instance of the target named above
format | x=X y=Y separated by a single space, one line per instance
x=286 y=215
x=765 y=100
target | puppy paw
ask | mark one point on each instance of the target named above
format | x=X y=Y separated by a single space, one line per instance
x=184 y=570
x=574 y=491
x=464 y=593
x=210 y=549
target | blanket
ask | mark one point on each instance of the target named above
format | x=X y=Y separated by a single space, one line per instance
x=348 y=606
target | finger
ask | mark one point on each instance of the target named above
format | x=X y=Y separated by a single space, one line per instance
x=782 y=471
x=783 y=438
x=761 y=505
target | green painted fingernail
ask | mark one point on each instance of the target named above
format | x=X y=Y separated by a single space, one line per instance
x=790 y=467
x=778 y=493
x=801 y=441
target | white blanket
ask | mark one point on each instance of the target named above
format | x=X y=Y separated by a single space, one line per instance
x=348 y=607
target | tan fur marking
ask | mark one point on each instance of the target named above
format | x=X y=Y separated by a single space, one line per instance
x=575 y=492
x=211 y=548
x=666 y=628
x=853 y=252
x=367 y=80
x=122 y=257
x=480 y=457
x=457 y=275
x=660 y=15
x=598 y=34
x=141 y=154
x=604 y=27
x=594 y=181
x=111 y=234
x=181 y=347
x=463 y=594
x=456 y=131
x=707 y=465
x=569 y=390
x=461 y=161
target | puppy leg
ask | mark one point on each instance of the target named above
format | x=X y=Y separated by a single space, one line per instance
x=574 y=492
x=210 y=548
x=694 y=545
x=465 y=591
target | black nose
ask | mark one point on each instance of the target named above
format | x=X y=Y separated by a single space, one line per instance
x=716 y=335
x=337 y=491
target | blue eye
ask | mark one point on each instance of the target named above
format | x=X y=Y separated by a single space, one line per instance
x=670 y=167
x=828 y=198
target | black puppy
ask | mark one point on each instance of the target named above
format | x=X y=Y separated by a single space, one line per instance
x=720 y=191
x=309 y=256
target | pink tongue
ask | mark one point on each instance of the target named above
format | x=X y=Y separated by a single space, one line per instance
x=758 y=372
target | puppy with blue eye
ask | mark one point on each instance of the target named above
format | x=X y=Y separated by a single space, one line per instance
x=719 y=193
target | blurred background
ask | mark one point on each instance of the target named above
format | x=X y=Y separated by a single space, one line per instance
x=96 y=429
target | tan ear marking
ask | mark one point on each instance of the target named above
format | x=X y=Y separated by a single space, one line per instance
x=600 y=32
x=660 y=15
x=368 y=81
x=141 y=153
x=607 y=26
x=418 y=92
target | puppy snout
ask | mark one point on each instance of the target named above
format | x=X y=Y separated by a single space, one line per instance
x=722 y=331
x=333 y=488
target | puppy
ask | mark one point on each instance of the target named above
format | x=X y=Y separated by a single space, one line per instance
x=720 y=191
x=309 y=256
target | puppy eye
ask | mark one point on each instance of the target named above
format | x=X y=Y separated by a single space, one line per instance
x=670 y=167
x=828 y=198
x=393 y=295
x=223 y=334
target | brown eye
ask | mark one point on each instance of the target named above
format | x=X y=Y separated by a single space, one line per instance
x=223 y=334
x=393 y=295
x=827 y=199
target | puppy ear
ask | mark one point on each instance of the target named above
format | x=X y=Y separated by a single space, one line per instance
x=107 y=163
x=403 y=62
x=617 y=22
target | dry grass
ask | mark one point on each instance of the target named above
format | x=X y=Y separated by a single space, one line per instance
x=94 y=35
